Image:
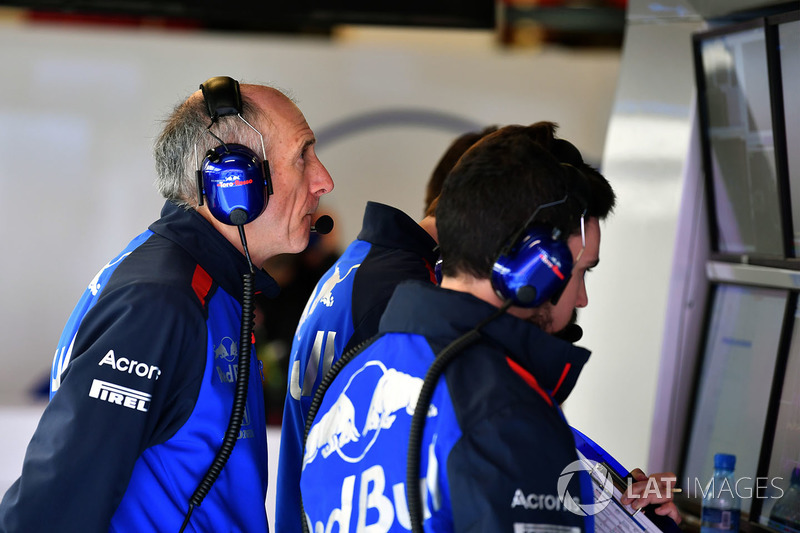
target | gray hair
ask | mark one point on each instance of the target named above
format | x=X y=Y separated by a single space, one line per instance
x=184 y=131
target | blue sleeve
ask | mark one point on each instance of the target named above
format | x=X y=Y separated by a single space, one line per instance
x=132 y=380
x=287 y=508
x=591 y=450
x=324 y=329
x=313 y=353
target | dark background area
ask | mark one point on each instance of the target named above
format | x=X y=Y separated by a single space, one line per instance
x=568 y=22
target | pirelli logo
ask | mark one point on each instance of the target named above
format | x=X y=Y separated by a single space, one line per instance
x=112 y=393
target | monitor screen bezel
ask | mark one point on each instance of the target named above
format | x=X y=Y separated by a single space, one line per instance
x=788 y=257
x=689 y=505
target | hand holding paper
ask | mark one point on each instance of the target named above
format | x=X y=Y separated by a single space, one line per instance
x=654 y=489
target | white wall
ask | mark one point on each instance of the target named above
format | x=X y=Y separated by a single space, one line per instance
x=645 y=158
x=79 y=109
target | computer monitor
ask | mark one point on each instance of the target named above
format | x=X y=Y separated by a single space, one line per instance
x=789 y=46
x=735 y=378
x=735 y=107
x=784 y=455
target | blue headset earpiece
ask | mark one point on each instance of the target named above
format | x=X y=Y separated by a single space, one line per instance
x=233 y=184
x=232 y=177
x=533 y=269
x=536 y=263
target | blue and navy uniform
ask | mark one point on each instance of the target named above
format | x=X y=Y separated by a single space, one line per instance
x=343 y=311
x=495 y=442
x=141 y=392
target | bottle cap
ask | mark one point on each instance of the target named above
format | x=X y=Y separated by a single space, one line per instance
x=724 y=461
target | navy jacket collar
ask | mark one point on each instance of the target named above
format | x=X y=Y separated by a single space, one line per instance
x=223 y=262
x=442 y=315
x=387 y=226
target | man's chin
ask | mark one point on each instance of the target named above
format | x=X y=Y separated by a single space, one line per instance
x=542 y=319
x=299 y=245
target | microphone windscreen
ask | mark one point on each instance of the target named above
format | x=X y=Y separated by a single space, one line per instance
x=572 y=333
x=323 y=225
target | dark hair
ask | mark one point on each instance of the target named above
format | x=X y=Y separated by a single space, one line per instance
x=500 y=181
x=448 y=160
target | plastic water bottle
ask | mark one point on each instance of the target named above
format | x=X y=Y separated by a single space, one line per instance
x=785 y=515
x=720 y=501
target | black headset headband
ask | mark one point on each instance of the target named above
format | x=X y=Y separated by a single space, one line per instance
x=576 y=187
x=222 y=97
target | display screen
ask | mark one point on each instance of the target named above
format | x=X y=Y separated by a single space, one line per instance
x=739 y=140
x=789 y=38
x=785 y=455
x=733 y=389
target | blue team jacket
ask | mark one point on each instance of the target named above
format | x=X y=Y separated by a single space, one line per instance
x=343 y=311
x=495 y=443
x=141 y=390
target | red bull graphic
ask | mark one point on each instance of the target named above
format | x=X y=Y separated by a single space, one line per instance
x=394 y=392
x=335 y=429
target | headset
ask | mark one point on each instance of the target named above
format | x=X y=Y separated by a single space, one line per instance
x=235 y=181
x=532 y=267
x=237 y=185
x=535 y=264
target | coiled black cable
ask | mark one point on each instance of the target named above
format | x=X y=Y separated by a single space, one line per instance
x=418 y=420
x=443 y=358
x=316 y=401
x=240 y=391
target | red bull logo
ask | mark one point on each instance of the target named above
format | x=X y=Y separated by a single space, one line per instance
x=336 y=430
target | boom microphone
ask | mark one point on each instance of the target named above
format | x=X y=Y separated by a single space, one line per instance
x=323 y=225
x=572 y=333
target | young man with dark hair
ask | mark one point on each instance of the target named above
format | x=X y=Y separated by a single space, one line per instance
x=494 y=441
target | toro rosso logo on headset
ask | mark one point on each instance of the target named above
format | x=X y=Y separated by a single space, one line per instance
x=232 y=178
x=394 y=393
x=552 y=263
x=549 y=259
